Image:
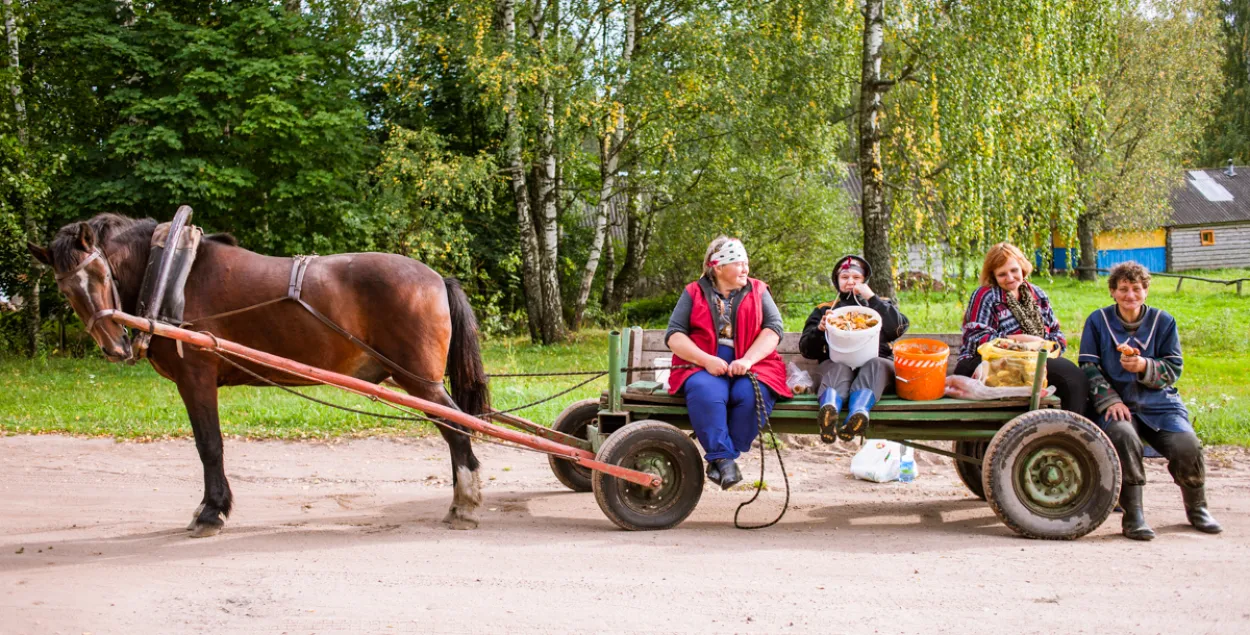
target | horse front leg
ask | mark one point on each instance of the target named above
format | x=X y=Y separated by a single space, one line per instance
x=199 y=394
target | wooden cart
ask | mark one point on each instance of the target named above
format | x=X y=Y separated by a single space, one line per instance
x=1046 y=473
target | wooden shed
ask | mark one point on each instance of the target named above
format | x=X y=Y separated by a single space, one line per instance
x=1210 y=225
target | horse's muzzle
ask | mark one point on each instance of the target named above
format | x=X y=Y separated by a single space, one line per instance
x=118 y=351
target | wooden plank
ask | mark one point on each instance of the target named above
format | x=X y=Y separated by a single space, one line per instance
x=645 y=394
x=639 y=410
x=653 y=340
x=635 y=355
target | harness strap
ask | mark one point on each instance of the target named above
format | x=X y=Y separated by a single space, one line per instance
x=294 y=290
x=108 y=269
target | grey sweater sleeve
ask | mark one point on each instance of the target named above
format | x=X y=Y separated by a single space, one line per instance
x=679 y=321
x=772 y=317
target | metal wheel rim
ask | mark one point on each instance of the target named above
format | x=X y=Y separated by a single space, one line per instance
x=1053 y=476
x=657 y=460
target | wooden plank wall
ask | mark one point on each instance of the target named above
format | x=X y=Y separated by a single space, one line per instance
x=644 y=350
x=1231 y=248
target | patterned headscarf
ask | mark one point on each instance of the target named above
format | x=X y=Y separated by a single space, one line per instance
x=730 y=252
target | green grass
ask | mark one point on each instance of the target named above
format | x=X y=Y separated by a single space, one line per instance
x=93 y=397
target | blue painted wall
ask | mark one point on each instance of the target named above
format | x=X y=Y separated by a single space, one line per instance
x=1154 y=258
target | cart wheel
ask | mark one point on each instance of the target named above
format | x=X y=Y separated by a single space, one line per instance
x=1051 y=474
x=573 y=421
x=658 y=448
x=968 y=473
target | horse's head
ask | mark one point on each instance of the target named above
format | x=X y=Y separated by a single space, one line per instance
x=85 y=276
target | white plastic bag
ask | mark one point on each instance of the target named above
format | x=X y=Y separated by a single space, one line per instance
x=798 y=380
x=974 y=389
x=877 y=461
x=663 y=366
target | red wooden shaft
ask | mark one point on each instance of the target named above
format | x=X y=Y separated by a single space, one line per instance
x=577 y=455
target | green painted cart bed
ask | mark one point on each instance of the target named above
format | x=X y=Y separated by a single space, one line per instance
x=1046 y=472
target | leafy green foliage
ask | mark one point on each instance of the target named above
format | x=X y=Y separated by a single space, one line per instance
x=242 y=110
x=1228 y=135
x=977 y=144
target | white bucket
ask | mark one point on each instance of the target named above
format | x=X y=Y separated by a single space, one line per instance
x=854 y=348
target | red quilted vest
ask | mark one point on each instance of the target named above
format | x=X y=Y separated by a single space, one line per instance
x=750 y=320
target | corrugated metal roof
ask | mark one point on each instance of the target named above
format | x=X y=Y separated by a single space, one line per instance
x=1198 y=203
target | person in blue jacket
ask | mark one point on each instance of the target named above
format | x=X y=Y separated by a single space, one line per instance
x=1131 y=354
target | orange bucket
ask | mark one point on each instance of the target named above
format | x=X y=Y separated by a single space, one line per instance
x=920 y=369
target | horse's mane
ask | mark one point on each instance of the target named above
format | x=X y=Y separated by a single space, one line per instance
x=108 y=228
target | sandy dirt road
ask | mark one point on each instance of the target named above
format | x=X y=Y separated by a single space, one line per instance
x=345 y=538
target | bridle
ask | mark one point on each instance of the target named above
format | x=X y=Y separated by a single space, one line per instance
x=112 y=281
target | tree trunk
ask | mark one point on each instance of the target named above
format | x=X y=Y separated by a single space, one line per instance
x=607 y=172
x=639 y=223
x=609 y=161
x=553 y=328
x=520 y=192
x=875 y=216
x=609 y=270
x=29 y=223
x=1086 y=227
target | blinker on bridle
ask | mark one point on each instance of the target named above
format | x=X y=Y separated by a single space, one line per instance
x=108 y=272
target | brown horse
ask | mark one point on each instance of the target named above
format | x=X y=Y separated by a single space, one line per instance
x=395 y=305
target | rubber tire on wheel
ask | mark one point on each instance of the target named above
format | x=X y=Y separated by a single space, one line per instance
x=573 y=421
x=623 y=502
x=968 y=473
x=1051 y=431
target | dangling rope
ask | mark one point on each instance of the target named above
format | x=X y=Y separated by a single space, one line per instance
x=762 y=422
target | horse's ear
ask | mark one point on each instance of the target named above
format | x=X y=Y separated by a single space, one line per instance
x=86 y=237
x=40 y=253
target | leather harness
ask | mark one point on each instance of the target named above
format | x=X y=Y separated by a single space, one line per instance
x=294 y=291
x=108 y=272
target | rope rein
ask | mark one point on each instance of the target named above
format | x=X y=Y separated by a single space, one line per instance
x=762 y=422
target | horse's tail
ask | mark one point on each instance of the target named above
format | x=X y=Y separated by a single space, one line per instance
x=464 y=359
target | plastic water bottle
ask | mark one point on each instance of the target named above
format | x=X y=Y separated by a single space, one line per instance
x=907 y=465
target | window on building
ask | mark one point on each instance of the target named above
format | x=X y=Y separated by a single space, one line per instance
x=1208 y=237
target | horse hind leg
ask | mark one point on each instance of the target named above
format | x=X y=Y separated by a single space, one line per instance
x=465 y=474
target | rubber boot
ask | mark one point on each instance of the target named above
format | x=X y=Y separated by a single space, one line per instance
x=713 y=473
x=1134 y=524
x=830 y=405
x=730 y=475
x=861 y=402
x=1196 y=510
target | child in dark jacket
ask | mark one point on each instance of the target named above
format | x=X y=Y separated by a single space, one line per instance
x=860 y=388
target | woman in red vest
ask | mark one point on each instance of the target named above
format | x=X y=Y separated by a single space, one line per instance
x=727 y=325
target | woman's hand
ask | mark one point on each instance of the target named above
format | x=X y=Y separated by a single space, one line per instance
x=823 y=318
x=1133 y=363
x=740 y=367
x=1119 y=412
x=1023 y=337
x=864 y=291
x=715 y=365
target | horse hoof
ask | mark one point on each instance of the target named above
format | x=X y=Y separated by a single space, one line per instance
x=461 y=523
x=195 y=516
x=457 y=519
x=205 y=531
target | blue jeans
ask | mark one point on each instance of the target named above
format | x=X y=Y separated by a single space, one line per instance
x=722 y=410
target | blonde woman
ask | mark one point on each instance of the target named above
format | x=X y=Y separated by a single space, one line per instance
x=727 y=325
